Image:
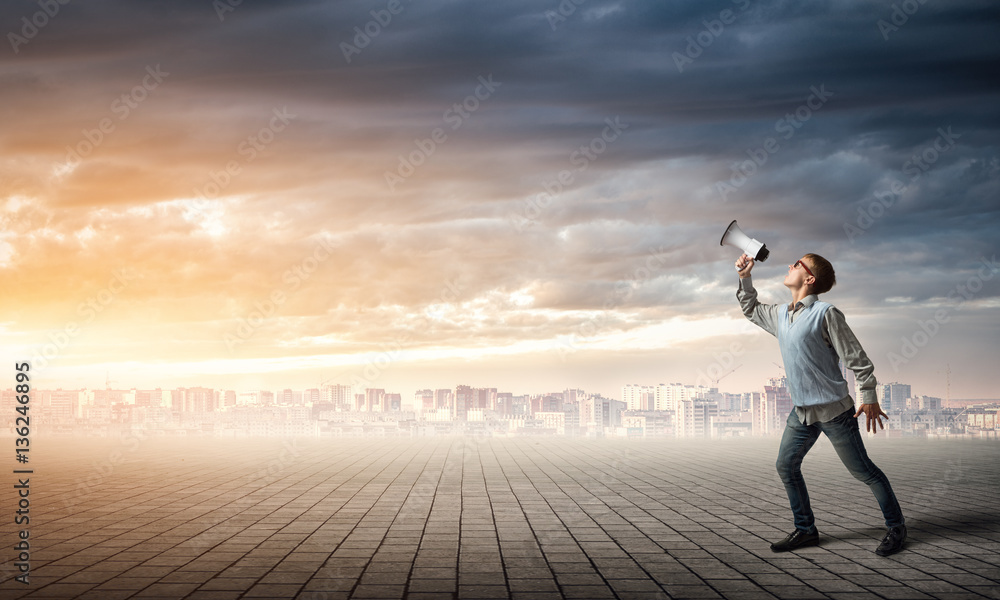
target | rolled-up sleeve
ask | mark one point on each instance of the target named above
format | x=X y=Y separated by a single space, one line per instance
x=852 y=354
x=764 y=316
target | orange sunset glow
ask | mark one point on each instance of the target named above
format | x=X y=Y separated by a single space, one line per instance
x=477 y=195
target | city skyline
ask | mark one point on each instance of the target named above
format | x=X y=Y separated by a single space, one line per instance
x=513 y=192
x=641 y=411
x=409 y=397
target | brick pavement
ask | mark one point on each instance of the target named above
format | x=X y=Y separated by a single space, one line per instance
x=491 y=518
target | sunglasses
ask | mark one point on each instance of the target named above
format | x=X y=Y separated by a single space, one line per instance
x=803 y=265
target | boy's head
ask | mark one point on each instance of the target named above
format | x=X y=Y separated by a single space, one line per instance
x=822 y=272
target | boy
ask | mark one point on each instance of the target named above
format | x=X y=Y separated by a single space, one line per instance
x=812 y=336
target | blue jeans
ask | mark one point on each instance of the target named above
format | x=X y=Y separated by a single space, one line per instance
x=844 y=433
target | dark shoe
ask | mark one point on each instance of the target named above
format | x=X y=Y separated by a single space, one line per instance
x=796 y=539
x=893 y=541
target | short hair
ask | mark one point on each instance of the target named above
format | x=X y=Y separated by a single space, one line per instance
x=823 y=272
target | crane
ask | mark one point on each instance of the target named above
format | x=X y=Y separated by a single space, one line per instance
x=715 y=382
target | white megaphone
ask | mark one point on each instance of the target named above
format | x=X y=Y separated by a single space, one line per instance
x=735 y=237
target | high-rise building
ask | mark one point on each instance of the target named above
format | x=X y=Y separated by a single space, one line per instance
x=340 y=396
x=926 y=403
x=392 y=403
x=599 y=414
x=669 y=395
x=149 y=398
x=469 y=398
x=505 y=403
x=748 y=400
x=373 y=399
x=463 y=401
x=639 y=397
x=444 y=399
x=199 y=400
x=776 y=402
x=894 y=396
x=546 y=403
x=573 y=396
x=423 y=400
x=61 y=404
x=693 y=418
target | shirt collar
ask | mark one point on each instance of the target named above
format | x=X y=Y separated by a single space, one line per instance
x=807 y=301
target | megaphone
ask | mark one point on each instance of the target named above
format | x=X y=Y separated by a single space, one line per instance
x=735 y=237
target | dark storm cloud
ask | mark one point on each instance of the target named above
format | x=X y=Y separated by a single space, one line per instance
x=853 y=108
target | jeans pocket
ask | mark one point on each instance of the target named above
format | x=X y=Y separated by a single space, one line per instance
x=844 y=419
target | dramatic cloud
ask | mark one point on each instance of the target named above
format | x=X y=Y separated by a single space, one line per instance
x=517 y=194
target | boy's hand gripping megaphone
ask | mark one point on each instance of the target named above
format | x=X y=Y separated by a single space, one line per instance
x=735 y=237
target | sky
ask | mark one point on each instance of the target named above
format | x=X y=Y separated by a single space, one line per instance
x=521 y=195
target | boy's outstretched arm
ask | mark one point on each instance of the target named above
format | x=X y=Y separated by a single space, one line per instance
x=854 y=358
x=764 y=316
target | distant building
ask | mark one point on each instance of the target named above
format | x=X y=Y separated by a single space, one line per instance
x=553 y=420
x=894 y=396
x=639 y=397
x=599 y=414
x=668 y=396
x=505 y=403
x=694 y=418
x=423 y=400
x=392 y=403
x=925 y=403
x=776 y=404
x=340 y=396
x=373 y=399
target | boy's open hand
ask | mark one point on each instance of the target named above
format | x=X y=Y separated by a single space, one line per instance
x=873 y=412
x=744 y=264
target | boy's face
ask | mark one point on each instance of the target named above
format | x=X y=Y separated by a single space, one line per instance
x=798 y=276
